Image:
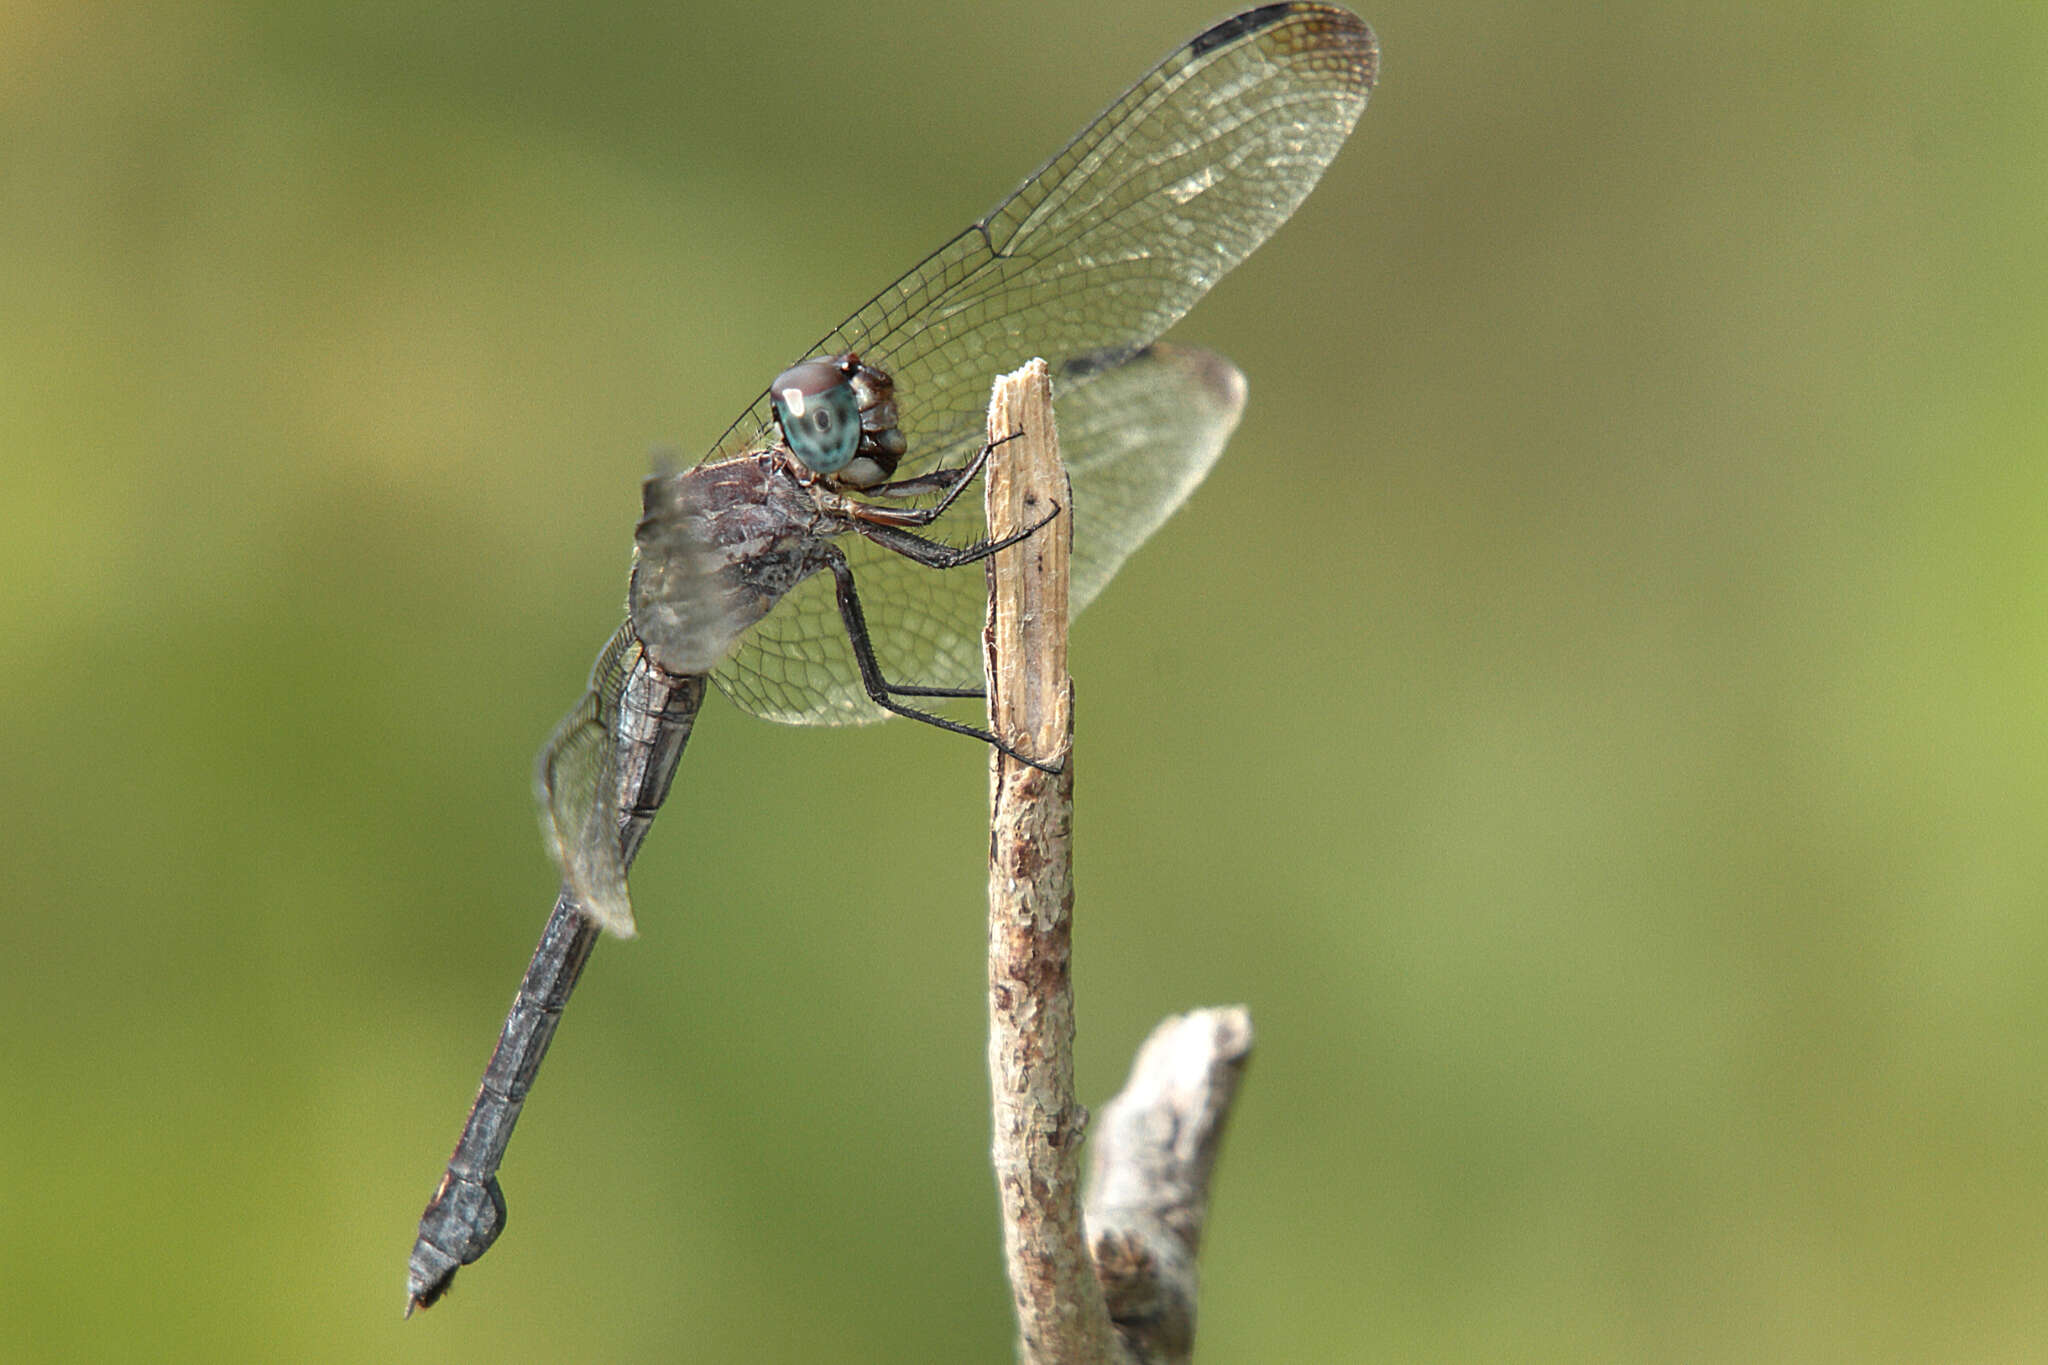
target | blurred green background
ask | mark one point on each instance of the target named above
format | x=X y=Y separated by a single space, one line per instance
x=1594 y=715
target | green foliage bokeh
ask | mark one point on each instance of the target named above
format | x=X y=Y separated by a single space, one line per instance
x=1593 y=715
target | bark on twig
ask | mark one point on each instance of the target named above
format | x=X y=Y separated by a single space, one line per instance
x=1038 y=1122
x=1148 y=1194
x=1148 y=1187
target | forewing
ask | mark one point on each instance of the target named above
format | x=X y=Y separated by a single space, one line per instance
x=1114 y=239
x=1095 y=255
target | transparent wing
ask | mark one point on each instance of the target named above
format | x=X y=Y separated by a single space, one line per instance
x=577 y=784
x=686 y=604
x=1116 y=237
x=1141 y=437
x=1095 y=255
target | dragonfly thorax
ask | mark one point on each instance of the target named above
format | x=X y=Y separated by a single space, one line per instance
x=838 y=417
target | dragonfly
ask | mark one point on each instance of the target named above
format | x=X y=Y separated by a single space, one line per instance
x=806 y=565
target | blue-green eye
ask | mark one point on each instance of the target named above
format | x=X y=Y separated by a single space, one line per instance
x=819 y=414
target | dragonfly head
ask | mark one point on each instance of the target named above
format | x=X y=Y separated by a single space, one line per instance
x=838 y=417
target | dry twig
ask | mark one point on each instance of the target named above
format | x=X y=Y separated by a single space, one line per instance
x=1149 y=1191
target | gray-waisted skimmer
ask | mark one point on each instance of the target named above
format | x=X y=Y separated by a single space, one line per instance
x=803 y=565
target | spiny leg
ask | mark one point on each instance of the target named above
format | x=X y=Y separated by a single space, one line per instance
x=880 y=691
x=934 y=555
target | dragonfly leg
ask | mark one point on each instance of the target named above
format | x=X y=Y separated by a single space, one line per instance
x=934 y=555
x=938 y=481
x=883 y=693
x=950 y=482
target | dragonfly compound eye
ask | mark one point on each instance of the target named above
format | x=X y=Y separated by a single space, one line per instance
x=819 y=414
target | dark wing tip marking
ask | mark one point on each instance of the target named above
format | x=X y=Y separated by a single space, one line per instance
x=1090 y=363
x=1321 y=22
x=1238 y=25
